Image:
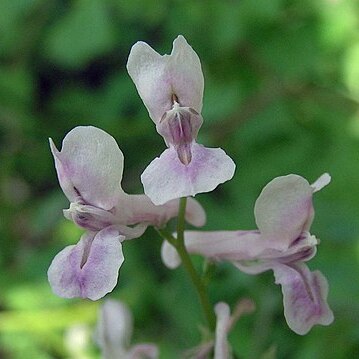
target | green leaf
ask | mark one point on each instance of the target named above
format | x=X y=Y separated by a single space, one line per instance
x=84 y=33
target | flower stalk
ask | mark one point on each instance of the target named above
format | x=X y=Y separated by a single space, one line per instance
x=196 y=280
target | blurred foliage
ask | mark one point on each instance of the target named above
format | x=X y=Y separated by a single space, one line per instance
x=281 y=96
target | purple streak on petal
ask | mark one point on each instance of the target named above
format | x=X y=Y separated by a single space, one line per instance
x=304 y=297
x=89 y=217
x=64 y=175
x=166 y=178
x=179 y=127
x=89 y=167
x=90 y=268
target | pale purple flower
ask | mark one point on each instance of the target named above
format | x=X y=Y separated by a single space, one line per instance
x=284 y=213
x=89 y=167
x=113 y=334
x=171 y=87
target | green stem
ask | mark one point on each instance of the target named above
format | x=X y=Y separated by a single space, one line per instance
x=181 y=220
x=188 y=265
x=179 y=245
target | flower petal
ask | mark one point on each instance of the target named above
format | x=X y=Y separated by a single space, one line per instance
x=283 y=209
x=143 y=351
x=216 y=245
x=89 y=166
x=90 y=268
x=158 y=77
x=139 y=208
x=169 y=255
x=166 y=177
x=221 y=346
x=304 y=297
x=114 y=329
x=321 y=182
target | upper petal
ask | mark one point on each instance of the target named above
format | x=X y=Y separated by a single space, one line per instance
x=283 y=208
x=166 y=177
x=89 y=166
x=304 y=297
x=90 y=268
x=158 y=77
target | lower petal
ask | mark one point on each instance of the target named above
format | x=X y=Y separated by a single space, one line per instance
x=90 y=268
x=166 y=177
x=304 y=297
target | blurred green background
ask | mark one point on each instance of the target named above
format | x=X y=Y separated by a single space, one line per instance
x=281 y=96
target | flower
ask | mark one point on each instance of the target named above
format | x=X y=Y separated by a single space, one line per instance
x=284 y=213
x=224 y=324
x=221 y=346
x=171 y=87
x=113 y=334
x=89 y=168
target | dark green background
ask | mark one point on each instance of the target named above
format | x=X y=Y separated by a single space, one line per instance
x=281 y=96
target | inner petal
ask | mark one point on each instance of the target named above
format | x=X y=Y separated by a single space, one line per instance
x=179 y=127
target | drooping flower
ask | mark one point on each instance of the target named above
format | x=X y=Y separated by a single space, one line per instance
x=171 y=87
x=284 y=213
x=89 y=168
x=113 y=334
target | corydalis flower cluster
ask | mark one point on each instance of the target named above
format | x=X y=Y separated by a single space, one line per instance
x=90 y=168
